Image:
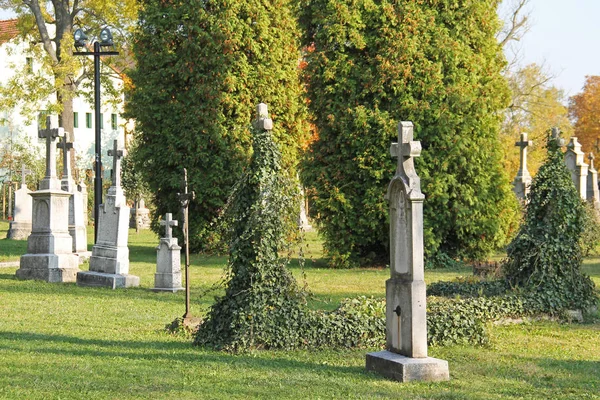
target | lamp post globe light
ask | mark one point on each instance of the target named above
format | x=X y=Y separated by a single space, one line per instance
x=106 y=40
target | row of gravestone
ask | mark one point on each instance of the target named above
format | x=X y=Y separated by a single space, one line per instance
x=57 y=243
x=584 y=176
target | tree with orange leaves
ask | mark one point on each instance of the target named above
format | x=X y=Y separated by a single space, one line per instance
x=584 y=109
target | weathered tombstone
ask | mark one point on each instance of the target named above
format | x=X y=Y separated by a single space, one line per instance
x=140 y=216
x=406 y=321
x=574 y=158
x=593 y=194
x=82 y=188
x=168 y=260
x=20 y=226
x=49 y=247
x=77 y=208
x=109 y=264
x=523 y=179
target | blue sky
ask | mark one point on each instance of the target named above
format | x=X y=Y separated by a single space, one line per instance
x=564 y=37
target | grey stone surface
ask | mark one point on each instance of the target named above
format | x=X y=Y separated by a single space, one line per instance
x=49 y=254
x=593 y=194
x=575 y=161
x=140 y=216
x=406 y=320
x=20 y=226
x=522 y=181
x=110 y=254
x=168 y=260
x=407 y=369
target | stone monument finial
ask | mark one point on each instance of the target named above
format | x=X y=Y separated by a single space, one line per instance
x=50 y=181
x=555 y=135
x=169 y=223
x=65 y=145
x=24 y=172
x=406 y=150
x=263 y=122
x=116 y=154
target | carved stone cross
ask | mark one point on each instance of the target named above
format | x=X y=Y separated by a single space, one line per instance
x=406 y=150
x=50 y=134
x=263 y=122
x=556 y=136
x=24 y=172
x=523 y=144
x=65 y=146
x=116 y=154
x=169 y=223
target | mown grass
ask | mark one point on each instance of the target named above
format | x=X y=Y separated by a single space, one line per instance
x=62 y=341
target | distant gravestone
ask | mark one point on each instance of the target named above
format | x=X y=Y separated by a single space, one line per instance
x=49 y=247
x=523 y=179
x=77 y=208
x=20 y=226
x=406 y=321
x=575 y=161
x=109 y=264
x=593 y=194
x=168 y=260
x=140 y=215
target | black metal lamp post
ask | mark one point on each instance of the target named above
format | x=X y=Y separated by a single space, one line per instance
x=105 y=41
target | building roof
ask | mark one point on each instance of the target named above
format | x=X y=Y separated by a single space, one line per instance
x=8 y=30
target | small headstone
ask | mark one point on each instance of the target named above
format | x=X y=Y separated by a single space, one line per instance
x=303 y=222
x=49 y=247
x=140 y=216
x=406 y=321
x=168 y=260
x=575 y=161
x=593 y=194
x=523 y=179
x=20 y=226
x=109 y=264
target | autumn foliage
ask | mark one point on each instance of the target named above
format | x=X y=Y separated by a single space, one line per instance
x=584 y=109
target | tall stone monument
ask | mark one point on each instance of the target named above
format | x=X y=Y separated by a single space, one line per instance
x=523 y=179
x=406 y=321
x=593 y=194
x=168 y=260
x=574 y=158
x=49 y=247
x=77 y=209
x=20 y=226
x=109 y=264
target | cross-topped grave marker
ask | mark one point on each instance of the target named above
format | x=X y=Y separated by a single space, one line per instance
x=116 y=154
x=50 y=181
x=65 y=145
x=184 y=201
x=24 y=173
x=168 y=223
x=523 y=179
x=593 y=193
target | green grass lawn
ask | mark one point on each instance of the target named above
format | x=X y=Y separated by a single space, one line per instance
x=59 y=341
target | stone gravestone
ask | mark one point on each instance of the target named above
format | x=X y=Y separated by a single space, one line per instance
x=523 y=179
x=168 y=260
x=109 y=264
x=406 y=321
x=140 y=215
x=77 y=208
x=574 y=158
x=593 y=194
x=20 y=226
x=49 y=247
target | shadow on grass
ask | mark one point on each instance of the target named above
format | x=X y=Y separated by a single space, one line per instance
x=155 y=351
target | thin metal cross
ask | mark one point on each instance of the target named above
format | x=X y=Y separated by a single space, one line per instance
x=50 y=134
x=184 y=201
x=116 y=154
x=169 y=223
x=65 y=146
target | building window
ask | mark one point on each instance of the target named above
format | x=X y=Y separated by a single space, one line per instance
x=101 y=120
x=29 y=65
x=113 y=122
x=75 y=120
x=88 y=120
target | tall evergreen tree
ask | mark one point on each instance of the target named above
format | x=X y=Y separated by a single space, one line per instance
x=201 y=67
x=437 y=63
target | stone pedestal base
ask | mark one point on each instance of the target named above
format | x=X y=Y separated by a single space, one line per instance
x=19 y=230
x=100 y=279
x=168 y=289
x=49 y=267
x=406 y=369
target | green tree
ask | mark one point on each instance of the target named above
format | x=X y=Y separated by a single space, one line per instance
x=437 y=63
x=546 y=255
x=201 y=68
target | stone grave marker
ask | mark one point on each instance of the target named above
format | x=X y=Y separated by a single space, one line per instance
x=49 y=254
x=20 y=226
x=523 y=179
x=168 y=260
x=593 y=194
x=406 y=321
x=574 y=159
x=109 y=263
x=77 y=208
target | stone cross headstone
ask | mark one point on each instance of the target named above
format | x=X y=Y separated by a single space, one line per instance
x=406 y=321
x=593 y=194
x=49 y=254
x=20 y=226
x=574 y=159
x=523 y=179
x=168 y=260
x=109 y=263
x=65 y=146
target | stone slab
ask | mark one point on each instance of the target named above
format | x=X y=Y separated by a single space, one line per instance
x=406 y=369
x=48 y=267
x=113 y=281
